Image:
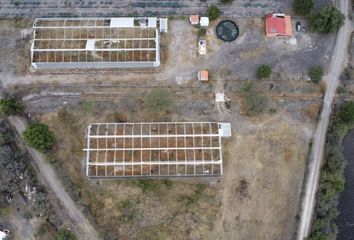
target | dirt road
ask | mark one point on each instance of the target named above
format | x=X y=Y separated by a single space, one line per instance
x=332 y=78
x=83 y=229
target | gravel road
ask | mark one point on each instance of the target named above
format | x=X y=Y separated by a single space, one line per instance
x=81 y=225
x=332 y=80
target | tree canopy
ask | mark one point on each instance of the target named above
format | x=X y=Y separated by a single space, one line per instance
x=330 y=19
x=10 y=106
x=303 y=7
x=316 y=73
x=213 y=12
x=38 y=136
x=346 y=113
x=264 y=71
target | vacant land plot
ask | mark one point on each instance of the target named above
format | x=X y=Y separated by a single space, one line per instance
x=258 y=194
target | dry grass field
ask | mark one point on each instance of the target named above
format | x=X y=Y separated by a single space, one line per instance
x=257 y=198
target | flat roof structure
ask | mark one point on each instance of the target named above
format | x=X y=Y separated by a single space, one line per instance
x=278 y=24
x=203 y=75
x=194 y=19
x=96 y=42
x=156 y=149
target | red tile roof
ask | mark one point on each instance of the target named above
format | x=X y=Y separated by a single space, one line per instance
x=194 y=19
x=278 y=25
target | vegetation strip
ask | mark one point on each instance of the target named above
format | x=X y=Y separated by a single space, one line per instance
x=332 y=178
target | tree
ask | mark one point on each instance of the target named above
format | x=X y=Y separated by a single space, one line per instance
x=264 y=71
x=10 y=106
x=38 y=136
x=65 y=234
x=330 y=19
x=303 y=7
x=316 y=73
x=158 y=100
x=213 y=12
x=346 y=113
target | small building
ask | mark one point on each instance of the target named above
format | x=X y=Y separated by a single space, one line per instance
x=204 y=21
x=278 y=24
x=163 y=25
x=220 y=97
x=194 y=19
x=203 y=75
x=202 y=47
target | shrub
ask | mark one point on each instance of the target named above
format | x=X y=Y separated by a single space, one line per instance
x=65 y=234
x=202 y=32
x=213 y=12
x=38 y=136
x=303 y=7
x=341 y=90
x=10 y=106
x=253 y=102
x=148 y=185
x=346 y=113
x=226 y=1
x=129 y=211
x=316 y=73
x=264 y=71
x=158 y=100
x=330 y=19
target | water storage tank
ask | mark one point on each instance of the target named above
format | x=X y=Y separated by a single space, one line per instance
x=227 y=31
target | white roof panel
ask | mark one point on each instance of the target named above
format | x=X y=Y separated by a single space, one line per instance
x=90 y=44
x=204 y=21
x=122 y=22
x=163 y=25
x=225 y=129
x=152 y=22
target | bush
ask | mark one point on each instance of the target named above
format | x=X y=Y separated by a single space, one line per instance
x=346 y=113
x=148 y=185
x=316 y=73
x=264 y=71
x=303 y=7
x=226 y=1
x=65 y=234
x=202 y=32
x=38 y=136
x=10 y=106
x=253 y=102
x=129 y=211
x=213 y=12
x=330 y=19
x=158 y=100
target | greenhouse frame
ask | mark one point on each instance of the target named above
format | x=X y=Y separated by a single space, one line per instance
x=97 y=42
x=156 y=149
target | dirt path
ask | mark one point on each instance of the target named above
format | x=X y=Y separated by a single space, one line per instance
x=82 y=227
x=336 y=67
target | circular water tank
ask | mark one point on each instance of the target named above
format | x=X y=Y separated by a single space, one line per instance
x=227 y=31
